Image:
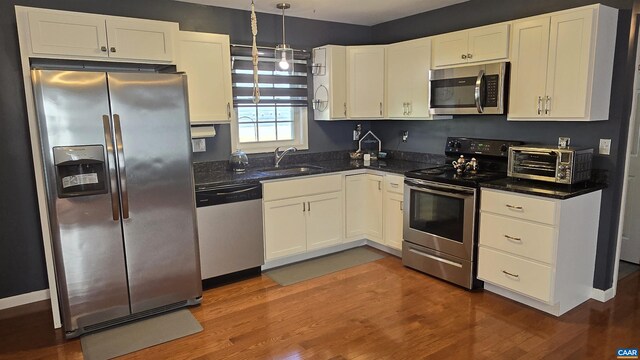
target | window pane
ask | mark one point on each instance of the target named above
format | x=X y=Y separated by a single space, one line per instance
x=266 y=114
x=285 y=114
x=247 y=132
x=285 y=131
x=246 y=114
x=267 y=132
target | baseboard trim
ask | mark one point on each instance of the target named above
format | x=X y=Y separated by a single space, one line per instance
x=24 y=299
x=603 y=295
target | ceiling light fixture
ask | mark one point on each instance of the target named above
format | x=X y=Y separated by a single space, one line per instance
x=284 y=53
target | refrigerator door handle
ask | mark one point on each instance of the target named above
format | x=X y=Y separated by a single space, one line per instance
x=122 y=168
x=111 y=165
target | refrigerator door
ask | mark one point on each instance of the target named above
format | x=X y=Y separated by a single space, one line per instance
x=79 y=166
x=157 y=193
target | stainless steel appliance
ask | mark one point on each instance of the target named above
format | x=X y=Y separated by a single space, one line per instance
x=230 y=229
x=473 y=89
x=440 y=223
x=117 y=162
x=552 y=164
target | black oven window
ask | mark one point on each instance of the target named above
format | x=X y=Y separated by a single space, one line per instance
x=437 y=215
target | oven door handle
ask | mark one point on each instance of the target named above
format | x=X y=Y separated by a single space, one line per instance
x=443 y=193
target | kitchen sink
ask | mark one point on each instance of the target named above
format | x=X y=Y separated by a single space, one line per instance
x=291 y=170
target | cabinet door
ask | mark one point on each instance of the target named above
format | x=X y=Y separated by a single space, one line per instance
x=356 y=195
x=284 y=228
x=68 y=34
x=337 y=72
x=450 y=49
x=568 y=69
x=393 y=209
x=489 y=43
x=324 y=220
x=206 y=60
x=373 y=208
x=529 y=55
x=365 y=66
x=138 y=39
x=407 y=79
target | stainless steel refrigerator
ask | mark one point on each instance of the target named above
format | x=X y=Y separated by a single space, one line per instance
x=117 y=160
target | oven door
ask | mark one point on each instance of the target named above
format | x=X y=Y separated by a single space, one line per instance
x=440 y=217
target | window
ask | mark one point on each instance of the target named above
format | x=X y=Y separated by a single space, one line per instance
x=280 y=118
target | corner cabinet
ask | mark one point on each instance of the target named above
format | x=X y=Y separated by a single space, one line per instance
x=64 y=34
x=330 y=82
x=393 y=211
x=364 y=201
x=407 y=79
x=561 y=65
x=206 y=60
x=537 y=250
x=301 y=215
x=481 y=44
x=365 y=82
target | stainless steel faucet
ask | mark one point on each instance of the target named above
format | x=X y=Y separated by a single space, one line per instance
x=278 y=157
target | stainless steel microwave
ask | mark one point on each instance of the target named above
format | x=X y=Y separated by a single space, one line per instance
x=548 y=163
x=467 y=90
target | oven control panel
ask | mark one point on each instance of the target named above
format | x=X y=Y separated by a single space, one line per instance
x=472 y=146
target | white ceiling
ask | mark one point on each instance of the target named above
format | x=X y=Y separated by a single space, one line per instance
x=360 y=12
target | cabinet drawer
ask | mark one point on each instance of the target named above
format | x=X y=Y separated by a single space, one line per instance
x=519 y=206
x=520 y=275
x=518 y=237
x=286 y=189
x=394 y=183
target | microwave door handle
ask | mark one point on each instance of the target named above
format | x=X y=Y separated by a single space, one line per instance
x=479 y=81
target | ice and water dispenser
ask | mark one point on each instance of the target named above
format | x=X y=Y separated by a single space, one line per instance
x=80 y=170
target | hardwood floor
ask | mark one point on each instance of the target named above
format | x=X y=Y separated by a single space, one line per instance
x=379 y=310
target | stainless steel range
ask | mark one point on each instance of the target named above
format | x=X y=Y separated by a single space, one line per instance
x=440 y=223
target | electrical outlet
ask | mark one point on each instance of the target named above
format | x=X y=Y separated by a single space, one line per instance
x=563 y=142
x=405 y=135
x=605 y=147
x=198 y=145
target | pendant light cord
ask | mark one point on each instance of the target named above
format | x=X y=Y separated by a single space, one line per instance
x=254 y=54
x=284 y=43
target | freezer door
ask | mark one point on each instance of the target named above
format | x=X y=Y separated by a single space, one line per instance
x=79 y=165
x=157 y=192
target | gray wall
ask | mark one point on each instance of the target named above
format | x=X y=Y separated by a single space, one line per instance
x=21 y=256
x=430 y=136
x=22 y=267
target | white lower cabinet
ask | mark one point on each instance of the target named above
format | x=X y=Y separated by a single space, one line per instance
x=537 y=250
x=302 y=223
x=393 y=208
x=364 y=207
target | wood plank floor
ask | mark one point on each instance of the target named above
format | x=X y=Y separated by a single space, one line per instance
x=379 y=310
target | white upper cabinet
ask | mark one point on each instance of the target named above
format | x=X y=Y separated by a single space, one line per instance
x=561 y=65
x=486 y=43
x=64 y=34
x=407 y=79
x=205 y=58
x=330 y=82
x=365 y=74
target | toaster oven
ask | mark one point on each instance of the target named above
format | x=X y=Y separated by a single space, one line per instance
x=552 y=164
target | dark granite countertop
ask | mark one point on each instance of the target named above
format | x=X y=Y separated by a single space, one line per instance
x=215 y=176
x=544 y=189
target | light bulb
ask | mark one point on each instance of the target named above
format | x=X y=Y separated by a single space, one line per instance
x=284 y=65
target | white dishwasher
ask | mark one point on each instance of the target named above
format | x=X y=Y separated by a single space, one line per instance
x=230 y=229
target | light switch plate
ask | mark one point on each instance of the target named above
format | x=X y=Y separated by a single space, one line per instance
x=198 y=145
x=605 y=147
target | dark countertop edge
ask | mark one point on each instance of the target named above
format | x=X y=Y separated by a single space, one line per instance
x=255 y=176
x=548 y=190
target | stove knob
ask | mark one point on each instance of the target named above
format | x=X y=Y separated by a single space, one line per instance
x=562 y=167
x=504 y=148
x=561 y=176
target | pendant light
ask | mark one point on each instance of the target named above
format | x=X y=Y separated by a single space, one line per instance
x=283 y=54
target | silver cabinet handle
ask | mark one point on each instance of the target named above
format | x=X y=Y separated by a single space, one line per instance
x=113 y=49
x=379 y=185
x=381 y=108
x=394 y=185
x=539 y=105
x=103 y=48
x=304 y=206
x=547 y=105
x=229 y=111
x=469 y=56
x=510 y=274
x=479 y=81
x=345 y=109
x=122 y=167
x=404 y=108
x=111 y=165
x=513 y=238
x=464 y=56
x=409 y=108
x=401 y=205
x=513 y=207
x=309 y=206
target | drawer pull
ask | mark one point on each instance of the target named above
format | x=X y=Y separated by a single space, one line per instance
x=510 y=274
x=513 y=238
x=393 y=185
x=514 y=207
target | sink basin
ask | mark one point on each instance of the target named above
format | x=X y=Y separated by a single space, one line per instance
x=291 y=169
